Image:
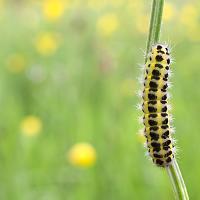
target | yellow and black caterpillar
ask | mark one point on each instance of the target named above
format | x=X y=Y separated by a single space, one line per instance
x=156 y=118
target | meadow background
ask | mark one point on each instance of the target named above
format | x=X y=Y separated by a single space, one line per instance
x=68 y=83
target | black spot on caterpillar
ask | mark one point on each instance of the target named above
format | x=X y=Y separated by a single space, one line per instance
x=154 y=136
x=155 y=106
x=161 y=52
x=159 y=162
x=165 y=135
x=159 y=58
x=152 y=109
x=153 y=84
x=168 y=154
x=152 y=96
x=155 y=144
x=157 y=65
x=168 y=159
x=165 y=127
x=157 y=155
x=151 y=123
x=156 y=72
x=159 y=47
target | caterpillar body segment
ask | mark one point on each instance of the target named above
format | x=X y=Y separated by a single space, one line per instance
x=156 y=82
x=155 y=106
x=154 y=94
x=157 y=70
x=156 y=117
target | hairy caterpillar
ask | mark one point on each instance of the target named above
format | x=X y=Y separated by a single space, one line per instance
x=156 y=118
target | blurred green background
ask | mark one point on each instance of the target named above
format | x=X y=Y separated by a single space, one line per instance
x=68 y=75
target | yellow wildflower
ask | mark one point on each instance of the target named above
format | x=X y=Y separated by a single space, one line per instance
x=54 y=9
x=194 y=32
x=107 y=24
x=16 y=63
x=2 y=4
x=189 y=17
x=31 y=125
x=46 y=43
x=82 y=155
x=168 y=12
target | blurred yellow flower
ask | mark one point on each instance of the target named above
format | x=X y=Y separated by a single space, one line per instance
x=31 y=125
x=107 y=24
x=142 y=24
x=82 y=155
x=194 y=33
x=127 y=87
x=54 y=9
x=16 y=63
x=2 y=4
x=189 y=17
x=46 y=43
x=168 y=12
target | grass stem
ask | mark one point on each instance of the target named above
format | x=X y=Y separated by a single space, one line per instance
x=177 y=181
x=154 y=34
x=155 y=23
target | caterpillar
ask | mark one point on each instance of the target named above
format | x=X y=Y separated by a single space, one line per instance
x=156 y=117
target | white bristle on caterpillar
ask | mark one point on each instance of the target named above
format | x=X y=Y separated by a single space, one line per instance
x=139 y=106
x=139 y=93
x=140 y=119
x=155 y=106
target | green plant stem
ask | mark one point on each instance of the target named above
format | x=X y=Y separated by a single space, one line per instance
x=177 y=181
x=154 y=34
x=155 y=24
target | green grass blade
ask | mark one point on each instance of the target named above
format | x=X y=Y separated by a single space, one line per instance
x=177 y=181
x=155 y=23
